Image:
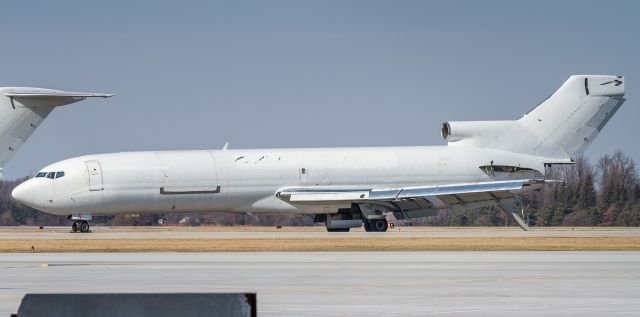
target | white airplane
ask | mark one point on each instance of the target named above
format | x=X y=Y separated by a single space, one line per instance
x=486 y=163
x=22 y=109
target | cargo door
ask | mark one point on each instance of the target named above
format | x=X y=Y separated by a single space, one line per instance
x=95 y=175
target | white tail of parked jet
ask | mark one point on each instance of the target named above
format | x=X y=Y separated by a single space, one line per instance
x=558 y=129
x=22 y=109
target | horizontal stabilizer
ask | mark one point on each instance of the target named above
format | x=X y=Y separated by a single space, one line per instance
x=22 y=110
x=54 y=93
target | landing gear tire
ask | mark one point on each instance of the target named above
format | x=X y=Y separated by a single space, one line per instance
x=378 y=225
x=367 y=225
x=84 y=226
x=338 y=229
x=75 y=226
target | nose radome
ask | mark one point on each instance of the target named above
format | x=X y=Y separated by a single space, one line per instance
x=23 y=194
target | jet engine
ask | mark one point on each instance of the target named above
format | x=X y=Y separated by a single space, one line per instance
x=477 y=133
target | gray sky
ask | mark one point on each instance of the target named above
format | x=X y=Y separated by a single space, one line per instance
x=305 y=74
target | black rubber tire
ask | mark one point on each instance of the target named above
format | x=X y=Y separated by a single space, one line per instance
x=75 y=227
x=379 y=225
x=367 y=225
x=84 y=227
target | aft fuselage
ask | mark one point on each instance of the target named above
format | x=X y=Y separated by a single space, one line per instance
x=247 y=180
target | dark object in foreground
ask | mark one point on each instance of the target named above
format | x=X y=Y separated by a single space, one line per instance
x=124 y=305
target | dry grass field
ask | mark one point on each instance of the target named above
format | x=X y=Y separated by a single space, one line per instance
x=321 y=244
x=457 y=239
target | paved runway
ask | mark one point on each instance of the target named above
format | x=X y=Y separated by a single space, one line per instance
x=363 y=283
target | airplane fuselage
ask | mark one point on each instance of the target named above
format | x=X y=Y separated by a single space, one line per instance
x=248 y=180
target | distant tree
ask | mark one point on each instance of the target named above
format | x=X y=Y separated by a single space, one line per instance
x=634 y=197
x=459 y=219
x=544 y=216
x=587 y=194
x=559 y=213
x=580 y=218
x=618 y=179
x=610 y=215
x=630 y=216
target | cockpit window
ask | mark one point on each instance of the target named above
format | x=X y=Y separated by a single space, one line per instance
x=50 y=175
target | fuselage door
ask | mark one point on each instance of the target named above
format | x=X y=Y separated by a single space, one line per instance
x=95 y=175
x=304 y=176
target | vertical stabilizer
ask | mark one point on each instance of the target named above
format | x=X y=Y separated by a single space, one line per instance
x=565 y=124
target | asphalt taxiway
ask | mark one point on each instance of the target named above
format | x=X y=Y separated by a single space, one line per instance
x=348 y=283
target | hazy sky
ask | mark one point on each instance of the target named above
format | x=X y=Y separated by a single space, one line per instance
x=193 y=75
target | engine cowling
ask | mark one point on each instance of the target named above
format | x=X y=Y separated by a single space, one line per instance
x=475 y=132
x=343 y=221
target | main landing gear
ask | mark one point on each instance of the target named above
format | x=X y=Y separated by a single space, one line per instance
x=376 y=225
x=345 y=219
x=80 y=225
x=80 y=222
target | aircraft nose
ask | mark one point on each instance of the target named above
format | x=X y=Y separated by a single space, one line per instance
x=24 y=193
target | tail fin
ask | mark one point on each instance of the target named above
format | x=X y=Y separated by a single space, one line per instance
x=567 y=122
x=559 y=129
x=22 y=109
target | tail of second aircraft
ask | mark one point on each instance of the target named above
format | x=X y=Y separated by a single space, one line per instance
x=558 y=129
x=22 y=109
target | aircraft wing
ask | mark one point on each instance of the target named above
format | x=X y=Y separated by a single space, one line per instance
x=407 y=199
x=446 y=193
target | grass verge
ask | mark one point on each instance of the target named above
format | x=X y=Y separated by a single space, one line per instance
x=323 y=244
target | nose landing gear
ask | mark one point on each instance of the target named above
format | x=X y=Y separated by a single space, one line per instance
x=80 y=225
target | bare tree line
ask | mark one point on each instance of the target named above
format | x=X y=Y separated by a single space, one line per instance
x=605 y=193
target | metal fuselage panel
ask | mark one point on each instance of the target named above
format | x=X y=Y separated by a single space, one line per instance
x=247 y=180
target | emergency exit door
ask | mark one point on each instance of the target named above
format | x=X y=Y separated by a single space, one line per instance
x=95 y=175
